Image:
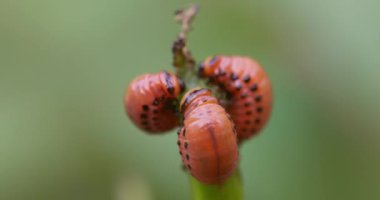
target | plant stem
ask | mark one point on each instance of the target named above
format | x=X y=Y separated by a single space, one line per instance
x=230 y=190
x=183 y=61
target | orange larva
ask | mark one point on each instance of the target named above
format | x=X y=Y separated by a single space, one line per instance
x=207 y=141
x=150 y=101
x=248 y=88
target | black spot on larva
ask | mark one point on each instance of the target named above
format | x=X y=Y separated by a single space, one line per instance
x=179 y=130
x=233 y=77
x=253 y=87
x=258 y=98
x=189 y=167
x=156 y=102
x=204 y=101
x=244 y=95
x=248 y=112
x=156 y=111
x=184 y=132
x=145 y=107
x=247 y=122
x=180 y=153
x=257 y=121
x=145 y=123
x=168 y=83
x=209 y=112
x=247 y=104
x=144 y=116
x=178 y=143
x=238 y=87
x=259 y=109
x=170 y=89
x=186 y=145
x=246 y=78
x=187 y=157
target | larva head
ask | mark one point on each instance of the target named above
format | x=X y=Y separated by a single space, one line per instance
x=196 y=97
x=208 y=66
x=151 y=103
x=171 y=84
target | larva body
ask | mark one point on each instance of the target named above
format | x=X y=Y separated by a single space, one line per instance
x=248 y=88
x=149 y=101
x=207 y=141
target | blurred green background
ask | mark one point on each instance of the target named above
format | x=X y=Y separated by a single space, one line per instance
x=64 y=66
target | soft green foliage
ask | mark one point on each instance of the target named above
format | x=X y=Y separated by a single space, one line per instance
x=64 y=66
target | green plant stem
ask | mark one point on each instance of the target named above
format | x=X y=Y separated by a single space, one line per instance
x=230 y=190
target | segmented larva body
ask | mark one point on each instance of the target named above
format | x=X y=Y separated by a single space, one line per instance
x=207 y=141
x=248 y=88
x=150 y=101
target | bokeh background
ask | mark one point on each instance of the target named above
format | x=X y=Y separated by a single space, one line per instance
x=64 y=66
